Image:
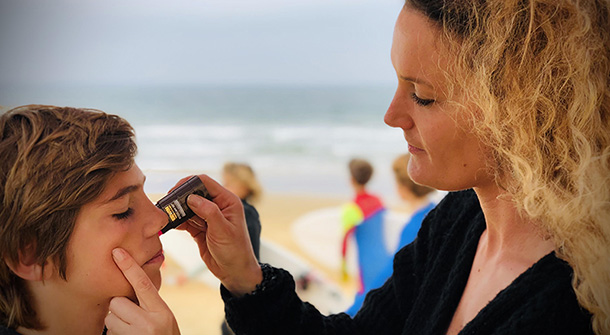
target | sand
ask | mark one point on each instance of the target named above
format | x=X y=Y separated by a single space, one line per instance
x=198 y=307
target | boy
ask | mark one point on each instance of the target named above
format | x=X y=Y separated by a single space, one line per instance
x=363 y=218
x=72 y=205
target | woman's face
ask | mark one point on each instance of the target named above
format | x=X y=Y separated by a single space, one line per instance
x=122 y=216
x=234 y=185
x=444 y=155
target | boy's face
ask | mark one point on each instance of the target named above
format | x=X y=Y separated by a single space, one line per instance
x=122 y=216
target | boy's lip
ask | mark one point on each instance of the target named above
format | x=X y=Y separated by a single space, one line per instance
x=158 y=257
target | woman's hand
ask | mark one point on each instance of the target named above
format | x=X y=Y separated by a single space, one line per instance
x=219 y=228
x=151 y=316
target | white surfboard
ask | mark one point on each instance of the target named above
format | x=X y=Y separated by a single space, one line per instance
x=319 y=234
x=312 y=286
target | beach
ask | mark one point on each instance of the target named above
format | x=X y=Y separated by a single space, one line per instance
x=197 y=305
x=298 y=140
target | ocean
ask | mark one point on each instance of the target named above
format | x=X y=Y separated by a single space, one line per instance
x=297 y=139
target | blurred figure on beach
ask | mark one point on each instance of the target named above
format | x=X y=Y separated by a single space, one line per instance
x=363 y=219
x=418 y=201
x=240 y=179
x=416 y=197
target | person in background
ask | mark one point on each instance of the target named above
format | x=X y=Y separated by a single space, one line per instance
x=363 y=219
x=415 y=196
x=419 y=204
x=79 y=238
x=505 y=104
x=240 y=179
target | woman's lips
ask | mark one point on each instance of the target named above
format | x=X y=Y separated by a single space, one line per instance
x=158 y=258
x=415 y=150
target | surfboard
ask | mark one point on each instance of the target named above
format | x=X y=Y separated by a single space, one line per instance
x=319 y=234
x=311 y=284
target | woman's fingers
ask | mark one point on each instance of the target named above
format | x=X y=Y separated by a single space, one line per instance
x=150 y=315
x=146 y=291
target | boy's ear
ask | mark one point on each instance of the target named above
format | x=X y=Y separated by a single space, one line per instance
x=27 y=268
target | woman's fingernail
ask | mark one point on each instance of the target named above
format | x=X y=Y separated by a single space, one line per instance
x=194 y=200
x=195 y=223
x=118 y=254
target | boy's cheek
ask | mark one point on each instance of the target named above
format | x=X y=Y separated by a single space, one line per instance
x=153 y=272
x=115 y=281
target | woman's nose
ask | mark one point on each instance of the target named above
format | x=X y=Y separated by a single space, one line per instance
x=398 y=114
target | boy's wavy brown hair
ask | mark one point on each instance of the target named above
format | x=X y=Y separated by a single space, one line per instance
x=360 y=170
x=54 y=161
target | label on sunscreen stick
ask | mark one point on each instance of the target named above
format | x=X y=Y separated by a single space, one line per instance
x=174 y=204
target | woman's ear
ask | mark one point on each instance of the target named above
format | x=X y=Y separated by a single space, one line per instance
x=27 y=267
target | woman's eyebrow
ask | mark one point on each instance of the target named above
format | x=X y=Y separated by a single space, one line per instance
x=417 y=81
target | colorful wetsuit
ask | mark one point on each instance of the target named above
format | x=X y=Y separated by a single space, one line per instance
x=364 y=219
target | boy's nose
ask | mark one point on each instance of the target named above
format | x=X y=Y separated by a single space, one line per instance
x=156 y=221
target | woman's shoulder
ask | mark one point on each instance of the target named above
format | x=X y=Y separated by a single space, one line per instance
x=459 y=203
x=541 y=301
x=450 y=231
x=460 y=210
x=455 y=224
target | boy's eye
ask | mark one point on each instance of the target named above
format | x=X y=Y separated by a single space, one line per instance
x=122 y=216
x=420 y=101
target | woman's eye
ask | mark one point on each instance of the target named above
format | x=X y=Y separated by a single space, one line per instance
x=122 y=216
x=420 y=101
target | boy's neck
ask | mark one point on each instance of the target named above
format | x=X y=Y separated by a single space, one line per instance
x=359 y=189
x=62 y=315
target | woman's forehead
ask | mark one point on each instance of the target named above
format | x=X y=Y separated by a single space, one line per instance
x=416 y=54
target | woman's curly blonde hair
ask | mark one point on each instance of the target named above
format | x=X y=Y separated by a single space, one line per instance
x=538 y=74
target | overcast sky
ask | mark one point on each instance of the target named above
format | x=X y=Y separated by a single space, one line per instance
x=238 y=42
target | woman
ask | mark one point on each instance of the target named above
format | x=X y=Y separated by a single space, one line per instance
x=507 y=98
x=240 y=179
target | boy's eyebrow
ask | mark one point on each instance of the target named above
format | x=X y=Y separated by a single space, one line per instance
x=125 y=190
x=122 y=192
